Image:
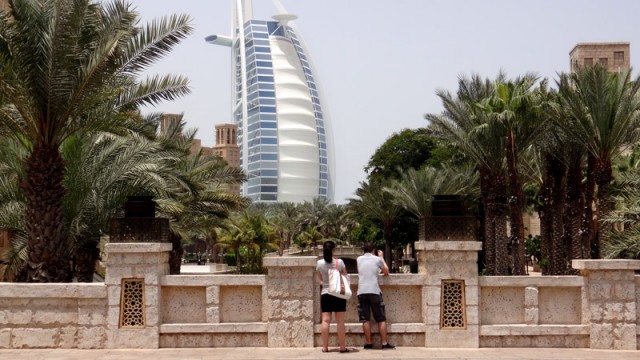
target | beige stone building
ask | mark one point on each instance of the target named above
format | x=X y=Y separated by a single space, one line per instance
x=227 y=148
x=614 y=55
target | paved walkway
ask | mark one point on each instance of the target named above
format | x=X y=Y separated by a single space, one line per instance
x=315 y=353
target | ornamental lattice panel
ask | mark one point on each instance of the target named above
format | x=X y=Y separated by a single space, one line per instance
x=452 y=305
x=132 y=303
x=139 y=229
x=450 y=228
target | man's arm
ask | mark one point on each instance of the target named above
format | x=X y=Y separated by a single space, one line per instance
x=385 y=268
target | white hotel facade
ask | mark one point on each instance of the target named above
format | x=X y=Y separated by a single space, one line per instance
x=283 y=134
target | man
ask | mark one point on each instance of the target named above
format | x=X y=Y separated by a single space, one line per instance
x=370 y=296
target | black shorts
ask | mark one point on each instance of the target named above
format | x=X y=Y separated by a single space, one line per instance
x=371 y=303
x=330 y=303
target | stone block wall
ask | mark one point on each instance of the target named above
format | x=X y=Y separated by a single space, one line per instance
x=53 y=316
x=533 y=311
x=213 y=311
x=612 y=297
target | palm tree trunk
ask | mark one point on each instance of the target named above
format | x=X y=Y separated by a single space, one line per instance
x=49 y=259
x=573 y=210
x=489 y=228
x=499 y=222
x=516 y=204
x=603 y=178
x=546 y=215
x=558 y=259
x=588 y=225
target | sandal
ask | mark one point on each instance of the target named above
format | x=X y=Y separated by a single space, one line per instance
x=344 y=350
x=325 y=349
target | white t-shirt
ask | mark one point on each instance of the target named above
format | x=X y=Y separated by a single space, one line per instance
x=323 y=267
x=369 y=267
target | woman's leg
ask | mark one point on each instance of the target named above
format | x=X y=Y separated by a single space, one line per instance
x=326 y=320
x=341 y=330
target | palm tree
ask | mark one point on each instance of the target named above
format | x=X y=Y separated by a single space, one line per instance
x=511 y=108
x=465 y=125
x=197 y=201
x=624 y=241
x=100 y=171
x=249 y=230
x=312 y=215
x=284 y=217
x=66 y=67
x=378 y=205
x=603 y=113
x=416 y=188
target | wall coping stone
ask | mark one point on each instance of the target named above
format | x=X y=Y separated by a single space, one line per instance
x=448 y=245
x=356 y=328
x=610 y=264
x=290 y=261
x=252 y=327
x=62 y=290
x=539 y=281
x=113 y=248
x=212 y=280
x=533 y=330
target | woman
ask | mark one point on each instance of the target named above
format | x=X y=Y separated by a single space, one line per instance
x=328 y=303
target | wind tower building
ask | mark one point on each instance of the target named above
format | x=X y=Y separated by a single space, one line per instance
x=283 y=134
x=615 y=56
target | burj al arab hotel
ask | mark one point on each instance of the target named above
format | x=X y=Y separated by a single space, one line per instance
x=283 y=134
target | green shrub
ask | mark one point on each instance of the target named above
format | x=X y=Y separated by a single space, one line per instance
x=230 y=259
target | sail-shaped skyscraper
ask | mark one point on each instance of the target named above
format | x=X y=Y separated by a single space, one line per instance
x=283 y=133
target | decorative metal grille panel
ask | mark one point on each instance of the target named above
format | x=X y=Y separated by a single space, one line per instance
x=139 y=229
x=132 y=303
x=452 y=305
x=454 y=228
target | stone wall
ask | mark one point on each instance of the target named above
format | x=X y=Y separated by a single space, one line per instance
x=53 y=316
x=446 y=305
x=532 y=311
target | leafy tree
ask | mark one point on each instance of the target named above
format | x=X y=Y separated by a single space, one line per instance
x=411 y=148
x=67 y=67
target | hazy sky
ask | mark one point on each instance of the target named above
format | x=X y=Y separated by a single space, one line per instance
x=380 y=61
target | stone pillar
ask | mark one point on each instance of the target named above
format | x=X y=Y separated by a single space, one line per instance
x=451 y=318
x=139 y=266
x=611 y=295
x=290 y=290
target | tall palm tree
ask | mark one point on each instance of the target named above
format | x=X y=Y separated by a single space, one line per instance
x=70 y=66
x=465 y=125
x=511 y=108
x=603 y=113
x=100 y=171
